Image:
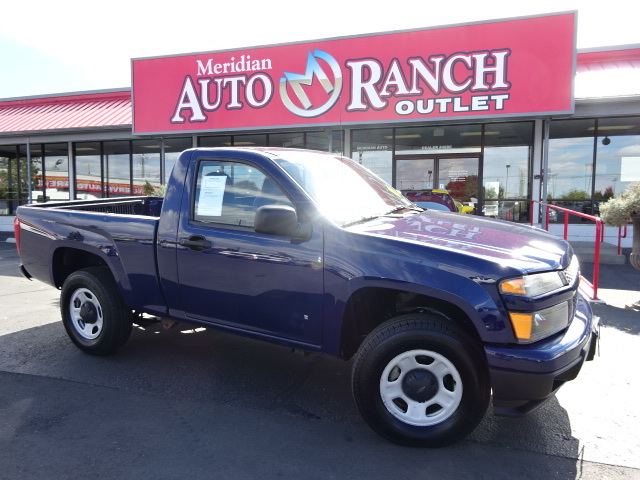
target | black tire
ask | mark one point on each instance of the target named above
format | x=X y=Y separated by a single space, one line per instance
x=93 y=313
x=419 y=380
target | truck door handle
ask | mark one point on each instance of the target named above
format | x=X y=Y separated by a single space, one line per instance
x=197 y=243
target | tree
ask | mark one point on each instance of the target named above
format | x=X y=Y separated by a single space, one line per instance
x=13 y=175
x=606 y=195
x=153 y=191
x=576 y=195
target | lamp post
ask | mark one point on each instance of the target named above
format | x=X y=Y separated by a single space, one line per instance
x=506 y=184
x=587 y=177
x=553 y=184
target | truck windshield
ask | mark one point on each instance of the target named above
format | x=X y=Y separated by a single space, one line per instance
x=344 y=191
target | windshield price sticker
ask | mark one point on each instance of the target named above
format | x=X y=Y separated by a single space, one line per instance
x=211 y=195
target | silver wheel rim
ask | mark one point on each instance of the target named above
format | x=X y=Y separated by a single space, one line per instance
x=421 y=388
x=86 y=314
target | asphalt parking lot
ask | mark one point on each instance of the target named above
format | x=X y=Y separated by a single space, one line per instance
x=185 y=403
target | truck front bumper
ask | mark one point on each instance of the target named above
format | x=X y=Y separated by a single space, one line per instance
x=525 y=377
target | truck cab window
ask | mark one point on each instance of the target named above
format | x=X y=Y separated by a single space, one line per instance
x=230 y=193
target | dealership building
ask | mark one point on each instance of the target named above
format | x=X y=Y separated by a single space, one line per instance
x=494 y=112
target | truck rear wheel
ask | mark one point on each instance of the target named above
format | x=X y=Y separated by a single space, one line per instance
x=419 y=380
x=93 y=313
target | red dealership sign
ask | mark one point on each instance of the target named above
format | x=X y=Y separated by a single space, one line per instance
x=513 y=67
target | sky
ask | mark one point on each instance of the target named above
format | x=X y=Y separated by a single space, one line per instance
x=65 y=46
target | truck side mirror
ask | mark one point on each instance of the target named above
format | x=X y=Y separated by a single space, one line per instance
x=276 y=220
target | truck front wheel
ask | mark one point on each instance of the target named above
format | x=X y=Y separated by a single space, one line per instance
x=94 y=315
x=419 y=380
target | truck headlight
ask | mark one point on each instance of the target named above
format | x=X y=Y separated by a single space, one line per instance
x=532 y=285
x=530 y=327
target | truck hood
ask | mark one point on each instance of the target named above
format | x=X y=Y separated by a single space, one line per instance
x=524 y=248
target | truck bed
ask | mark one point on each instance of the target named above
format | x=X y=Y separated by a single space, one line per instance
x=119 y=233
x=147 y=206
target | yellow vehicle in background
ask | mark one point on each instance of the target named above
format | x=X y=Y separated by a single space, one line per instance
x=436 y=200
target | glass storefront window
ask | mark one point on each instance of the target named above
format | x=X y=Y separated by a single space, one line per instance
x=216 y=141
x=506 y=174
x=418 y=174
x=37 y=171
x=251 y=140
x=146 y=166
x=315 y=140
x=173 y=147
x=10 y=173
x=591 y=160
x=319 y=141
x=287 y=140
x=23 y=177
x=88 y=171
x=337 y=142
x=117 y=168
x=374 y=149
x=617 y=156
x=570 y=160
x=56 y=171
x=439 y=139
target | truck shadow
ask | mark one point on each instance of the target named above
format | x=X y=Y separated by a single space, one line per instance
x=619 y=285
x=222 y=371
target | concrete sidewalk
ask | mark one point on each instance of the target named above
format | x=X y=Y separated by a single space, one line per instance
x=619 y=285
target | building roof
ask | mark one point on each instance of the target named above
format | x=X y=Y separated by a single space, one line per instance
x=64 y=112
x=600 y=73
x=608 y=72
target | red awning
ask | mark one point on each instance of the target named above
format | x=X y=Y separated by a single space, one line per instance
x=91 y=110
x=609 y=60
x=608 y=73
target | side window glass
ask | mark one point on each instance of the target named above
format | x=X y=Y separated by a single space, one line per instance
x=230 y=193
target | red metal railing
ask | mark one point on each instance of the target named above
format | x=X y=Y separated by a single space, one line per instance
x=598 y=240
x=622 y=233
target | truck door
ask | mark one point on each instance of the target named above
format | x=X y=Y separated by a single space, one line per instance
x=231 y=275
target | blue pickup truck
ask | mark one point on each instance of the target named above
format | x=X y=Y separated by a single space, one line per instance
x=441 y=311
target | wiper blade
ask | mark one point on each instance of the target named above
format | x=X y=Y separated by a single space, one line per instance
x=415 y=208
x=361 y=220
x=393 y=210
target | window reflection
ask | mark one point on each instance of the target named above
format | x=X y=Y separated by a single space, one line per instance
x=56 y=171
x=439 y=139
x=617 y=156
x=117 y=168
x=88 y=171
x=253 y=140
x=173 y=147
x=591 y=160
x=8 y=179
x=214 y=141
x=146 y=166
x=507 y=156
x=374 y=149
x=287 y=140
x=570 y=159
x=37 y=173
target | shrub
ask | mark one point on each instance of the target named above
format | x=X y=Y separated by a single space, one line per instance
x=617 y=211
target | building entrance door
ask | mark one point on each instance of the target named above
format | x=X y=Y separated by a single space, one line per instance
x=455 y=173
